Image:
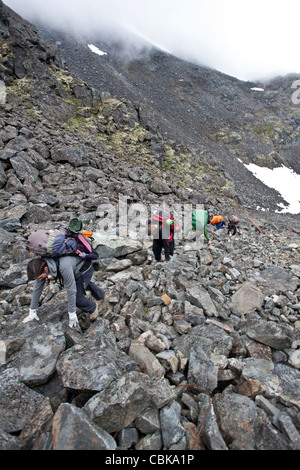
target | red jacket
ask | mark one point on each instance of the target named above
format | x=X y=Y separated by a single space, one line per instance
x=163 y=217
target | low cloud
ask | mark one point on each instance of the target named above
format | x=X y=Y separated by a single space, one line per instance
x=247 y=40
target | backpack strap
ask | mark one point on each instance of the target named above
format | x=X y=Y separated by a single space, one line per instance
x=84 y=242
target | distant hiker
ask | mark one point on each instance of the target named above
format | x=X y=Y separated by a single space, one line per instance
x=200 y=219
x=159 y=228
x=76 y=272
x=217 y=221
x=233 y=225
x=174 y=227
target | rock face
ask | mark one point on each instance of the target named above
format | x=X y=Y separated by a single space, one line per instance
x=208 y=341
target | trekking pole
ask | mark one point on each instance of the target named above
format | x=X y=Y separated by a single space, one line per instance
x=255 y=225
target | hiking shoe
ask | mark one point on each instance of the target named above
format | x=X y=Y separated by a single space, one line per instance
x=95 y=313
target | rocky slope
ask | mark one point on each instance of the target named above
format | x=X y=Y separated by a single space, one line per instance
x=177 y=345
x=226 y=119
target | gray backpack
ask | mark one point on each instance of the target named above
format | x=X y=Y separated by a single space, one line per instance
x=51 y=243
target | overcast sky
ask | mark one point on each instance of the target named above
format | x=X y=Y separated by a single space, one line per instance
x=248 y=40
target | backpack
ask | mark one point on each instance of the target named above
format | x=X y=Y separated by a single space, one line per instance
x=234 y=219
x=51 y=243
x=166 y=224
x=162 y=217
x=216 y=219
x=199 y=219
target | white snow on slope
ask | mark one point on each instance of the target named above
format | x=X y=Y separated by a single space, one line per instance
x=284 y=180
x=96 y=50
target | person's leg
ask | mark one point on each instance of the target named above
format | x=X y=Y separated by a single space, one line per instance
x=172 y=247
x=96 y=292
x=157 y=247
x=82 y=302
x=166 y=246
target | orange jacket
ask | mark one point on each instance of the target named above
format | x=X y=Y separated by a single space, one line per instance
x=216 y=219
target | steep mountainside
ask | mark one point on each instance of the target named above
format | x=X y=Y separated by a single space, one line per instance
x=201 y=352
x=213 y=113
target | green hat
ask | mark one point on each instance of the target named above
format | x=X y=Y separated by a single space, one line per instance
x=75 y=225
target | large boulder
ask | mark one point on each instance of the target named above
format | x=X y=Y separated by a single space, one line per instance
x=247 y=299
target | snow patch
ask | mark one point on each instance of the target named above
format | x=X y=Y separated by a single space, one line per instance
x=284 y=180
x=96 y=50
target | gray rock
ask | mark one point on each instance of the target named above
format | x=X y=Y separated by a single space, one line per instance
x=148 y=421
x=211 y=434
x=280 y=280
x=18 y=403
x=201 y=371
x=73 y=430
x=127 y=437
x=150 y=442
x=270 y=333
x=173 y=432
x=93 y=364
x=75 y=155
x=244 y=425
x=199 y=297
x=43 y=342
x=247 y=299
x=117 y=407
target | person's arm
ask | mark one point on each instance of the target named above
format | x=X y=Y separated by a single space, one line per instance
x=67 y=272
x=37 y=292
x=188 y=230
x=91 y=256
x=206 y=234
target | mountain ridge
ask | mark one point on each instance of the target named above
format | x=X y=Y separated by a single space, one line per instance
x=207 y=110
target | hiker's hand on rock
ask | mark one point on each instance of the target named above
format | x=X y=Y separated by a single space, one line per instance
x=73 y=320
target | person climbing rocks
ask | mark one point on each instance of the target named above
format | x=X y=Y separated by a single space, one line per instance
x=200 y=219
x=159 y=228
x=217 y=221
x=174 y=227
x=233 y=225
x=76 y=272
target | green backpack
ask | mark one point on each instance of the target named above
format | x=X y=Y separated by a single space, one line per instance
x=199 y=219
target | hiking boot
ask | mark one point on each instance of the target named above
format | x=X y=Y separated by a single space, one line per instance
x=95 y=313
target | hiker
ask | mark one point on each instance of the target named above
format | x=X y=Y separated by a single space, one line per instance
x=76 y=272
x=233 y=225
x=217 y=221
x=161 y=234
x=200 y=219
x=174 y=227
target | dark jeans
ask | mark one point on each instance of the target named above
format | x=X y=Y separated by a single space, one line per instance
x=172 y=247
x=232 y=228
x=84 y=283
x=158 y=245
